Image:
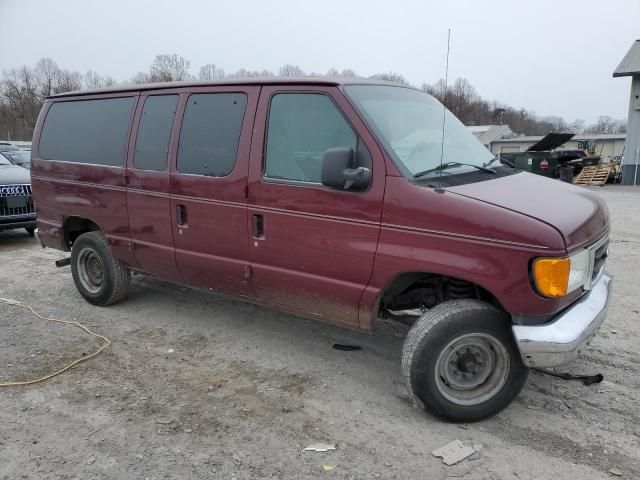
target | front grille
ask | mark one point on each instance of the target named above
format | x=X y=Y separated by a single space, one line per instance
x=599 y=257
x=15 y=201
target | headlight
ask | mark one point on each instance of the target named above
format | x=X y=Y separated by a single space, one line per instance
x=556 y=277
x=580 y=267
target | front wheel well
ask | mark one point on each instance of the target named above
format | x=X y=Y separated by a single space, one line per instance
x=73 y=227
x=420 y=291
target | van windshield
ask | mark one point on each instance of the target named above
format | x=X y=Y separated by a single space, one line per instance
x=409 y=123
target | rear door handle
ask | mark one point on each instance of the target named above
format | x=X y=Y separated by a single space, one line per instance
x=181 y=215
x=257 y=222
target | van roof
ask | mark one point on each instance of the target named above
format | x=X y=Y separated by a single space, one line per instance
x=333 y=81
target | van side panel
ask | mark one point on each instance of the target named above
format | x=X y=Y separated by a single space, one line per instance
x=91 y=192
x=97 y=193
x=442 y=233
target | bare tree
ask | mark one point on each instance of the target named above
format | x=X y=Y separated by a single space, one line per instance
x=210 y=72
x=20 y=94
x=437 y=90
x=23 y=90
x=461 y=99
x=620 y=126
x=50 y=79
x=68 y=82
x=606 y=124
x=242 y=73
x=577 y=126
x=93 y=79
x=139 y=78
x=391 y=77
x=290 y=71
x=169 y=68
x=47 y=75
x=347 y=73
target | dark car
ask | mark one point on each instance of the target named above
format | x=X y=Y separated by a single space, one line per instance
x=22 y=158
x=16 y=203
x=343 y=200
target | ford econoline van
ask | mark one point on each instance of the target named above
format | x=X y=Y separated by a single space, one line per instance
x=344 y=200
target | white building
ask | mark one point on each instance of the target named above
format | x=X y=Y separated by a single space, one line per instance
x=489 y=133
x=630 y=67
x=610 y=146
x=501 y=139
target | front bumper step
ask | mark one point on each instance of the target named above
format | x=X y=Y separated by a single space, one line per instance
x=559 y=341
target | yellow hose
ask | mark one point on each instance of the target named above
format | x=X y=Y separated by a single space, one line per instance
x=66 y=322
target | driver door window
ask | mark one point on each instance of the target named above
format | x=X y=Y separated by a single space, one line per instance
x=301 y=127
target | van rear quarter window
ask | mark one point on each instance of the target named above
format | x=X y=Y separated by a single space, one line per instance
x=87 y=131
x=154 y=133
x=210 y=133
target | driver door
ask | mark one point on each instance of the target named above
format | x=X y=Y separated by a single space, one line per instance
x=311 y=247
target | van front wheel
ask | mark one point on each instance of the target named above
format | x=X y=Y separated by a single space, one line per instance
x=460 y=361
x=99 y=277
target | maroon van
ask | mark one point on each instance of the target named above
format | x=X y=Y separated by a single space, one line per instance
x=344 y=200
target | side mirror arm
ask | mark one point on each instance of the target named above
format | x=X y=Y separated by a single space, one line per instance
x=356 y=178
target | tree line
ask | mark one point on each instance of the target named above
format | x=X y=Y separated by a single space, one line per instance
x=24 y=89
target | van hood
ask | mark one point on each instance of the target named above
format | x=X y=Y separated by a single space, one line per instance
x=580 y=215
x=12 y=175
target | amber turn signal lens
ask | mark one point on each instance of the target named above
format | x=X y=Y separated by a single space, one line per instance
x=551 y=276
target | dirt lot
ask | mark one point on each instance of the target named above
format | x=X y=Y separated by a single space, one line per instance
x=199 y=386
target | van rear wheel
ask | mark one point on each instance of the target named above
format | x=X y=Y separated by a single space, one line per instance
x=460 y=361
x=99 y=277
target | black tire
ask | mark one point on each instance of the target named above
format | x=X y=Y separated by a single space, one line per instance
x=450 y=349
x=30 y=230
x=99 y=277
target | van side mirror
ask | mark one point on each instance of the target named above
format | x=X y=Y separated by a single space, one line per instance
x=337 y=171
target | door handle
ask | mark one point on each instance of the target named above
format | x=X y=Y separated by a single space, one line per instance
x=181 y=215
x=257 y=222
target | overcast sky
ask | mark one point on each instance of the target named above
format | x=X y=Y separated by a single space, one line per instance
x=554 y=57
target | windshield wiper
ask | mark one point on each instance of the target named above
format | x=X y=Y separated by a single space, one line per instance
x=501 y=160
x=444 y=166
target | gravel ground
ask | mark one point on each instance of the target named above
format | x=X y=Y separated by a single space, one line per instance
x=199 y=386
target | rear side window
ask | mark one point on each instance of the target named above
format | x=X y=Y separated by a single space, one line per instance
x=87 y=131
x=302 y=126
x=210 y=133
x=154 y=132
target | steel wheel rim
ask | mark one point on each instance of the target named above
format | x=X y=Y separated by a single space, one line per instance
x=90 y=270
x=472 y=368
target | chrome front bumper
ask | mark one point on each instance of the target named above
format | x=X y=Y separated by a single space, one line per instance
x=559 y=341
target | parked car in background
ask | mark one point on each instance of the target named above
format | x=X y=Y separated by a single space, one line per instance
x=22 y=158
x=346 y=201
x=16 y=203
x=15 y=145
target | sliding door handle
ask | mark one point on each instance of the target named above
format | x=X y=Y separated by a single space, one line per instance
x=181 y=215
x=257 y=222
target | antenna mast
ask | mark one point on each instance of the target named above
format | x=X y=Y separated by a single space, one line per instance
x=446 y=88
